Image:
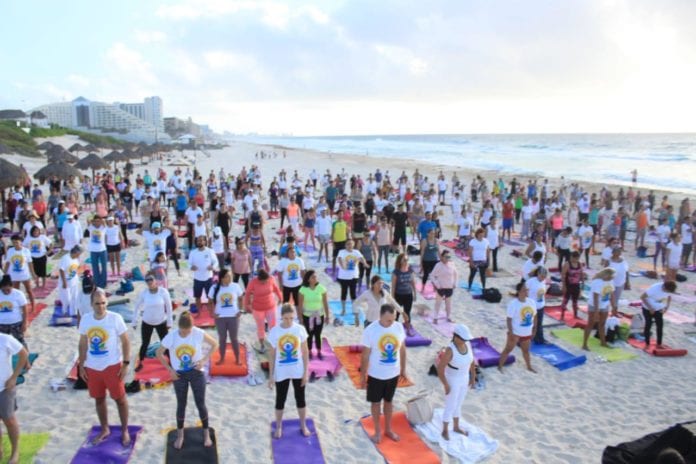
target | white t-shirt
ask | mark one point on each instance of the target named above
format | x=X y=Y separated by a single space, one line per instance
x=19 y=264
x=11 y=306
x=291 y=270
x=585 y=233
x=605 y=291
x=203 y=259
x=218 y=244
x=192 y=214
x=527 y=211
x=36 y=245
x=71 y=233
x=287 y=344
x=537 y=291
x=478 y=249
x=227 y=298
x=97 y=239
x=350 y=261
x=156 y=307
x=323 y=225
x=493 y=237
x=606 y=253
x=675 y=252
x=687 y=233
x=464 y=223
x=113 y=235
x=522 y=314
x=103 y=339
x=564 y=242
x=28 y=226
x=184 y=352
x=9 y=346
x=663 y=232
x=528 y=267
x=200 y=230
x=385 y=344
x=156 y=242
x=621 y=269
x=70 y=267
x=657 y=297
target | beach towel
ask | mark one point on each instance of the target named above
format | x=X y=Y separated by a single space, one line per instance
x=43 y=292
x=29 y=445
x=347 y=318
x=292 y=446
x=108 y=451
x=569 y=319
x=574 y=337
x=443 y=326
x=416 y=339
x=486 y=355
x=664 y=351
x=32 y=315
x=462 y=254
x=449 y=243
x=408 y=450
x=330 y=363
x=350 y=360
x=428 y=292
x=557 y=356
x=193 y=450
x=230 y=367
x=466 y=449
x=153 y=372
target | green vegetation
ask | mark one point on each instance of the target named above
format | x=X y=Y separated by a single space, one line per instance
x=18 y=140
x=56 y=131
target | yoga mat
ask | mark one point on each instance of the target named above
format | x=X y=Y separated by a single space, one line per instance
x=462 y=254
x=449 y=243
x=416 y=339
x=293 y=447
x=574 y=337
x=331 y=273
x=204 y=297
x=43 y=292
x=408 y=450
x=193 y=449
x=557 y=356
x=108 y=451
x=486 y=355
x=203 y=318
x=330 y=363
x=351 y=363
x=124 y=309
x=31 y=316
x=683 y=298
x=665 y=351
x=273 y=214
x=59 y=319
x=514 y=242
x=230 y=367
x=554 y=312
x=443 y=326
x=476 y=289
x=153 y=372
x=348 y=318
x=428 y=292
x=29 y=445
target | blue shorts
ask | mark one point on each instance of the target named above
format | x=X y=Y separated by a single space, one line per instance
x=507 y=223
x=200 y=285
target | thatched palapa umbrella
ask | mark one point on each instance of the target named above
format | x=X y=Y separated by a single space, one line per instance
x=115 y=157
x=93 y=162
x=76 y=147
x=46 y=145
x=62 y=157
x=61 y=170
x=10 y=175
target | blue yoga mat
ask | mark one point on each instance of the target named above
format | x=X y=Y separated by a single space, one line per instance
x=110 y=450
x=557 y=356
x=125 y=310
x=348 y=318
x=476 y=289
x=294 y=447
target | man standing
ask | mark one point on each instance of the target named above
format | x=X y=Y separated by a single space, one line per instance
x=9 y=346
x=97 y=251
x=103 y=362
x=202 y=261
x=383 y=363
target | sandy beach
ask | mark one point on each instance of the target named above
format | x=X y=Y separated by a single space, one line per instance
x=551 y=417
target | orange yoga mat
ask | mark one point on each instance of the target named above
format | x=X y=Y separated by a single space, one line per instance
x=38 y=307
x=351 y=362
x=409 y=449
x=203 y=318
x=230 y=367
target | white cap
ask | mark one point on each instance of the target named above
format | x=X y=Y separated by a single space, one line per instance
x=463 y=332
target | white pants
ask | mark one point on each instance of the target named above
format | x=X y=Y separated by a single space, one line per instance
x=68 y=296
x=455 y=399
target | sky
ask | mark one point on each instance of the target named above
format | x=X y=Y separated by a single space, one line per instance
x=334 y=67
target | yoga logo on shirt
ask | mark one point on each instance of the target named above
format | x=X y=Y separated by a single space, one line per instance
x=97 y=338
x=72 y=270
x=35 y=246
x=288 y=349
x=157 y=244
x=293 y=271
x=526 y=316
x=226 y=300
x=185 y=353
x=6 y=306
x=606 y=293
x=540 y=294
x=350 y=262
x=96 y=236
x=17 y=262
x=388 y=348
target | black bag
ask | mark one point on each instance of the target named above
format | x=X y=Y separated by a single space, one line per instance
x=412 y=251
x=681 y=278
x=554 y=290
x=492 y=295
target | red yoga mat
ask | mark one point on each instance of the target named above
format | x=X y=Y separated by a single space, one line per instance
x=570 y=320
x=665 y=351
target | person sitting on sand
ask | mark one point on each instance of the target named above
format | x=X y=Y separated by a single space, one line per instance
x=227 y=298
x=521 y=326
x=185 y=364
x=602 y=295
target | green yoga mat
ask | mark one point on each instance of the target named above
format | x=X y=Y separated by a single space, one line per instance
x=574 y=337
x=29 y=446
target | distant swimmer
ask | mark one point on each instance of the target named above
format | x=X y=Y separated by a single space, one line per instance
x=634 y=176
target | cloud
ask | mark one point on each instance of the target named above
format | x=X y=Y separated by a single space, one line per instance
x=149 y=37
x=78 y=80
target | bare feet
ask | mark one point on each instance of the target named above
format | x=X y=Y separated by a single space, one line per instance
x=584 y=347
x=179 y=442
x=305 y=431
x=220 y=362
x=376 y=437
x=445 y=435
x=101 y=437
x=463 y=432
x=14 y=459
x=125 y=439
x=207 y=442
x=392 y=435
x=500 y=368
x=279 y=431
x=531 y=369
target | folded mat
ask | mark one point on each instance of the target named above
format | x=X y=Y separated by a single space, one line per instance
x=666 y=350
x=467 y=449
x=32 y=315
x=15 y=360
x=202 y=318
x=193 y=449
x=329 y=363
x=153 y=372
x=230 y=367
x=293 y=447
x=43 y=292
x=416 y=339
x=569 y=319
x=60 y=319
x=443 y=326
x=428 y=292
x=347 y=318
x=409 y=449
x=557 y=356
x=351 y=363
x=574 y=337
x=29 y=445
x=486 y=355
x=108 y=451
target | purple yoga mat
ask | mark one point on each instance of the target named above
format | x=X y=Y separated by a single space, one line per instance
x=417 y=339
x=294 y=447
x=330 y=363
x=486 y=355
x=331 y=273
x=443 y=326
x=110 y=450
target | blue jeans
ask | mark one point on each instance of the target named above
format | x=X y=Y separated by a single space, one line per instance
x=98 y=259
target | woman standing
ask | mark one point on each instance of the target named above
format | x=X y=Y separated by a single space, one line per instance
x=262 y=296
x=290 y=272
x=185 y=364
x=114 y=241
x=536 y=287
x=655 y=303
x=383 y=239
x=601 y=296
x=310 y=218
x=444 y=278
x=171 y=244
x=19 y=266
x=368 y=249
x=313 y=299
x=256 y=243
x=156 y=306
x=348 y=261
x=403 y=287
x=673 y=256
x=241 y=262
x=479 y=256
x=223 y=220
x=373 y=298
x=227 y=297
x=39 y=246
x=572 y=277
x=13 y=317
x=457 y=372
x=429 y=251
x=288 y=361
x=521 y=326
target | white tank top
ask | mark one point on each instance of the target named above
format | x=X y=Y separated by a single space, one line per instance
x=458 y=367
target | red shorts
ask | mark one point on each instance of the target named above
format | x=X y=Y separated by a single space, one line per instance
x=525 y=339
x=98 y=382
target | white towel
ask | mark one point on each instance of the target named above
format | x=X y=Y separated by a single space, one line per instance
x=470 y=449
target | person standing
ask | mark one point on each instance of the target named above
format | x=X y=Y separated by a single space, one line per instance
x=572 y=276
x=202 y=262
x=288 y=362
x=97 y=251
x=185 y=364
x=290 y=271
x=383 y=362
x=104 y=356
x=521 y=326
x=348 y=260
x=70 y=232
x=444 y=278
x=39 y=246
x=313 y=299
x=601 y=297
x=191 y=213
x=227 y=300
x=13 y=310
x=536 y=287
x=655 y=303
x=10 y=347
x=155 y=304
x=19 y=266
x=262 y=296
x=69 y=282
x=429 y=251
x=114 y=241
x=479 y=256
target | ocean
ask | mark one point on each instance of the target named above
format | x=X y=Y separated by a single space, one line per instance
x=663 y=161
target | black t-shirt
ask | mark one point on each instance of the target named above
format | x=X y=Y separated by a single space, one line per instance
x=359 y=222
x=399 y=219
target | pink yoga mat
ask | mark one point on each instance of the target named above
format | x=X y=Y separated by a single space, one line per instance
x=428 y=293
x=330 y=363
x=443 y=326
x=43 y=292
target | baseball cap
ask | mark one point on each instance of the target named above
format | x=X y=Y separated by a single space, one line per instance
x=463 y=332
x=156 y=225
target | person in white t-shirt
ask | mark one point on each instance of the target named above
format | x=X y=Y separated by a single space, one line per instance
x=13 y=310
x=601 y=298
x=191 y=213
x=494 y=242
x=71 y=233
x=104 y=356
x=322 y=228
x=382 y=365
x=68 y=289
x=10 y=347
x=673 y=256
x=19 y=266
x=655 y=303
x=114 y=242
x=479 y=257
x=187 y=357
x=97 y=251
x=155 y=304
x=288 y=362
x=521 y=326
x=202 y=262
x=537 y=292
x=290 y=271
x=348 y=272
x=226 y=296
x=585 y=235
x=663 y=234
x=621 y=277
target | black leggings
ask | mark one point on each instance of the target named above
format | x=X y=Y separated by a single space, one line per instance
x=481 y=268
x=283 y=215
x=365 y=271
x=197 y=380
x=294 y=291
x=245 y=279
x=587 y=257
x=563 y=254
x=313 y=334
x=428 y=267
x=648 y=325
x=347 y=284
x=282 y=388
x=494 y=255
x=174 y=256
x=146 y=334
x=189 y=235
x=406 y=302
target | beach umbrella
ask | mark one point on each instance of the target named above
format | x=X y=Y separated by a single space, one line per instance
x=10 y=175
x=46 y=145
x=116 y=156
x=62 y=156
x=93 y=162
x=76 y=147
x=90 y=147
x=61 y=170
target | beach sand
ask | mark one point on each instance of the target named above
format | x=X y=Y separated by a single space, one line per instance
x=550 y=417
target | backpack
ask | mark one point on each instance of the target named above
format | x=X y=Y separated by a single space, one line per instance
x=681 y=278
x=492 y=295
x=412 y=251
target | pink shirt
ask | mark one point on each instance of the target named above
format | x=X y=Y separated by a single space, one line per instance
x=263 y=293
x=444 y=275
x=241 y=261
